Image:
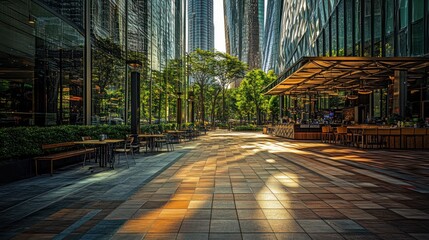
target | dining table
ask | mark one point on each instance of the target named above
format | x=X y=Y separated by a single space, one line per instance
x=106 y=149
x=150 y=138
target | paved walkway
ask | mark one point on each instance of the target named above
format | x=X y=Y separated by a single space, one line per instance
x=230 y=185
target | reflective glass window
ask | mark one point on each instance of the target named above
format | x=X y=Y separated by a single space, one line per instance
x=341 y=29
x=367 y=27
x=108 y=62
x=403 y=31
x=417 y=27
x=334 y=33
x=389 y=37
x=41 y=70
x=377 y=28
x=326 y=41
x=357 y=27
x=349 y=26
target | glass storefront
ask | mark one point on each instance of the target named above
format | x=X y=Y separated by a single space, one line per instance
x=42 y=57
x=108 y=62
x=41 y=70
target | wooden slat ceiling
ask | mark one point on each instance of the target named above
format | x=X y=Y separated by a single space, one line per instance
x=324 y=74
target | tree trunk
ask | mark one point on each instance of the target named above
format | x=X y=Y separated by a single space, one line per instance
x=202 y=105
x=214 y=107
x=258 y=115
x=224 y=120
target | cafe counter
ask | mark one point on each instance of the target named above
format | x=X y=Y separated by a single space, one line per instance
x=299 y=131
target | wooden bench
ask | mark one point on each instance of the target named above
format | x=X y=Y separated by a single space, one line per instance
x=61 y=155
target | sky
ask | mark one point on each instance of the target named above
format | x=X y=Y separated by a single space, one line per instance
x=219 y=27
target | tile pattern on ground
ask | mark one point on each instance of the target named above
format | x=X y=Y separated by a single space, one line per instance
x=229 y=185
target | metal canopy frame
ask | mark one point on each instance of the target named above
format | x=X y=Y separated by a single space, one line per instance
x=327 y=74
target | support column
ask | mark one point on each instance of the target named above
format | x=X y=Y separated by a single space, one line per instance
x=281 y=113
x=400 y=93
x=87 y=94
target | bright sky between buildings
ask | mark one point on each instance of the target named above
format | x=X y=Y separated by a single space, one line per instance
x=219 y=26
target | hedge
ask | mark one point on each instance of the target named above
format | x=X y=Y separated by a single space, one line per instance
x=247 y=128
x=24 y=142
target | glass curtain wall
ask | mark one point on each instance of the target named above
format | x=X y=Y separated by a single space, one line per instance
x=108 y=32
x=373 y=28
x=41 y=65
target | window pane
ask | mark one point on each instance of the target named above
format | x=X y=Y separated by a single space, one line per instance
x=341 y=29
x=417 y=36
x=403 y=32
x=334 y=34
x=357 y=27
x=327 y=48
x=389 y=28
x=349 y=26
x=377 y=28
x=367 y=28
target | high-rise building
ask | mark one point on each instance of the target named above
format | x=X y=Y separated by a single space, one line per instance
x=200 y=24
x=244 y=27
x=388 y=40
x=271 y=34
x=64 y=62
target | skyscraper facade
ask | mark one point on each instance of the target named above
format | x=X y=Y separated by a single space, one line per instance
x=64 y=62
x=377 y=28
x=200 y=23
x=244 y=27
x=271 y=37
x=371 y=30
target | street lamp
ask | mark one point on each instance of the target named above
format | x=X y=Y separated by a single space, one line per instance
x=191 y=97
x=135 y=97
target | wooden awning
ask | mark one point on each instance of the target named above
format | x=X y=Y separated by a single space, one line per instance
x=324 y=74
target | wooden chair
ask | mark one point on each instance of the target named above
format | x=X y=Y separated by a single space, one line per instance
x=342 y=136
x=327 y=134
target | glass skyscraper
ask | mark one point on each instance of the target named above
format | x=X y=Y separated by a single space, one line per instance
x=64 y=62
x=244 y=26
x=200 y=23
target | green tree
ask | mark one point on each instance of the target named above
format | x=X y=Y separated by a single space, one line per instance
x=251 y=91
x=227 y=69
x=274 y=108
x=201 y=65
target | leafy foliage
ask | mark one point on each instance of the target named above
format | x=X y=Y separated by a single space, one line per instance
x=249 y=127
x=251 y=98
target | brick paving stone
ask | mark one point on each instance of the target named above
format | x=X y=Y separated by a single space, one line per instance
x=230 y=185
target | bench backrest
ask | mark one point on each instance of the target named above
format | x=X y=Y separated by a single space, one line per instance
x=57 y=145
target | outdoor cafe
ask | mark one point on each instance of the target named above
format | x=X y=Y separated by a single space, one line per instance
x=367 y=102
